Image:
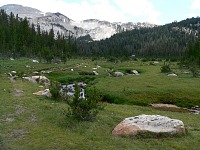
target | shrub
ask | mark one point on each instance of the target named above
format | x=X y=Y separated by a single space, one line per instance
x=194 y=71
x=165 y=68
x=54 y=89
x=84 y=109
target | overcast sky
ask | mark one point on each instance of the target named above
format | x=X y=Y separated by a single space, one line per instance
x=153 y=11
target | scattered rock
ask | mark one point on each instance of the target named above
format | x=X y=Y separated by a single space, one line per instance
x=134 y=72
x=30 y=79
x=11 y=59
x=45 y=72
x=13 y=72
x=164 y=105
x=118 y=74
x=9 y=74
x=172 y=75
x=95 y=73
x=46 y=92
x=36 y=73
x=35 y=61
x=186 y=72
x=98 y=66
x=38 y=79
x=149 y=123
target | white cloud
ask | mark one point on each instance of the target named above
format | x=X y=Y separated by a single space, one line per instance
x=110 y=10
x=195 y=4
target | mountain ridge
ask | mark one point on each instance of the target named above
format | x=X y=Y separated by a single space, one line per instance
x=97 y=29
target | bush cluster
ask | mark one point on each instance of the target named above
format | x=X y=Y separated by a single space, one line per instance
x=85 y=108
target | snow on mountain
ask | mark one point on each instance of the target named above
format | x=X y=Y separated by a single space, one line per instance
x=22 y=11
x=97 y=29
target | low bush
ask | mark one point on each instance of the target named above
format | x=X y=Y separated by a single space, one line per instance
x=165 y=68
x=84 y=108
x=54 y=89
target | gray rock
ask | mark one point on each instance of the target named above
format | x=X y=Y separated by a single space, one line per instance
x=95 y=73
x=46 y=93
x=149 y=123
x=118 y=74
x=35 y=61
x=172 y=75
x=134 y=72
x=38 y=79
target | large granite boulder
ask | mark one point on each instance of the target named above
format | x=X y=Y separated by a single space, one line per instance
x=149 y=123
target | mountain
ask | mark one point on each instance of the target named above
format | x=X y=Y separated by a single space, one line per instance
x=97 y=29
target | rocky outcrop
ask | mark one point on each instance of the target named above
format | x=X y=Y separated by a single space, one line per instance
x=38 y=79
x=149 y=123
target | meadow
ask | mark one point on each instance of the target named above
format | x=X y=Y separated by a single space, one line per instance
x=32 y=122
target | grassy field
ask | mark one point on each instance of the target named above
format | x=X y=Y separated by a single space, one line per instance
x=31 y=122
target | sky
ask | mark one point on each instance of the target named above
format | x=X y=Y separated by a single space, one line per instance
x=153 y=11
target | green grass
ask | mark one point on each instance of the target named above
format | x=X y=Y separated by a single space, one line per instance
x=31 y=122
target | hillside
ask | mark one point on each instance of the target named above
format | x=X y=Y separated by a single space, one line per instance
x=170 y=40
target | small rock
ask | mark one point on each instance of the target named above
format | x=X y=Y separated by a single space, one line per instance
x=95 y=73
x=46 y=92
x=134 y=72
x=118 y=74
x=13 y=72
x=35 y=61
x=172 y=75
x=27 y=66
x=35 y=73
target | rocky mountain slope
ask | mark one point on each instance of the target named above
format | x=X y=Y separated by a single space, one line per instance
x=95 y=28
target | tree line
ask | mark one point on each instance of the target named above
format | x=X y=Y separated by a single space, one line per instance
x=167 y=41
x=20 y=39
